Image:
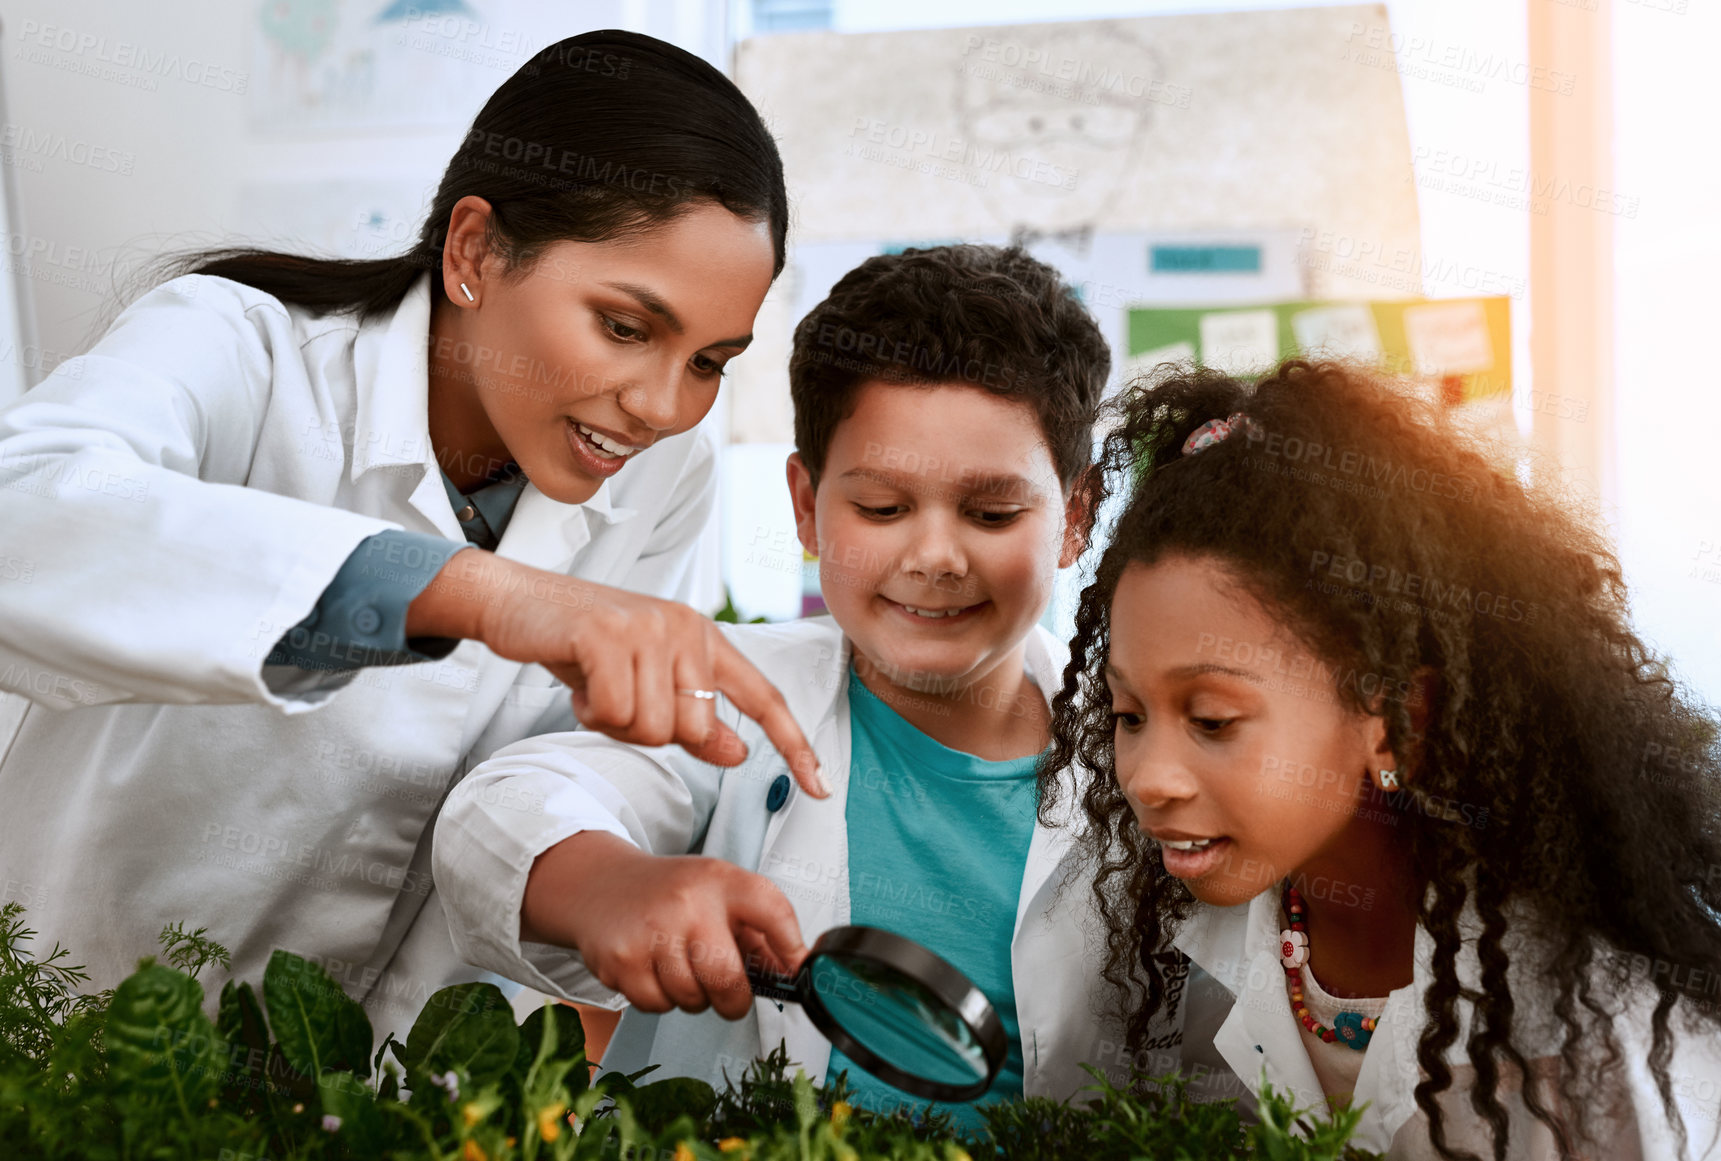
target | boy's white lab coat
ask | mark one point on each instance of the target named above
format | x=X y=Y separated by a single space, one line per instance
x=533 y=794
x=174 y=501
x=1259 y=1037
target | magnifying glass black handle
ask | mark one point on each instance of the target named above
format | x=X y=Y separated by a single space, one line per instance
x=771 y=986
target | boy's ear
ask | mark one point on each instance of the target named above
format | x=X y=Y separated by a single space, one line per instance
x=1079 y=511
x=803 y=495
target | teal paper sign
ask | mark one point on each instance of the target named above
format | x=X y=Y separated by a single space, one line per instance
x=1205 y=260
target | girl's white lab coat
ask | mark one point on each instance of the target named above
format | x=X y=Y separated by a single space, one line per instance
x=1236 y=955
x=532 y=795
x=170 y=504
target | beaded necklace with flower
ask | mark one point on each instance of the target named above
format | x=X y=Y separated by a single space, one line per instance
x=1352 y=1029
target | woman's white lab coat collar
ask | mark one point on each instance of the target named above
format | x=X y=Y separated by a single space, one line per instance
x=391 y=419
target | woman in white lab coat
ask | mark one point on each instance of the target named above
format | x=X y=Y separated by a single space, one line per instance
x=302 y=539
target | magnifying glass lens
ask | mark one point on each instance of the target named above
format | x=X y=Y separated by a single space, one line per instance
x=898 y=1019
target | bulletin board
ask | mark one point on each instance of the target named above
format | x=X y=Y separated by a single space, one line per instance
x=1466 y=343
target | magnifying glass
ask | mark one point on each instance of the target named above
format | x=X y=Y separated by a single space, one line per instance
x=898 y=1010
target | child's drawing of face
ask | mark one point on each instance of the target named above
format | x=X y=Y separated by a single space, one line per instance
x=1219 y=743
x=939 y=524
x=1054 y=124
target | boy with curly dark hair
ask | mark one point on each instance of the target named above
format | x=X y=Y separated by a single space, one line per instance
x=944 y=408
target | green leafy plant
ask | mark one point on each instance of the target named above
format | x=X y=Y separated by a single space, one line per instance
x=730 y=615
x=143 y=1072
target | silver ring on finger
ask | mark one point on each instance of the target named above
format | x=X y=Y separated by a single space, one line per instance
x=701 y=694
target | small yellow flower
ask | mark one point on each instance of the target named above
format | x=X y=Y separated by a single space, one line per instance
x=550 y=1121
x=840 y=1114
x=683 y=1153
x=960 y=1154
x=472 y=1113
x=472 y=1152
x=731 y=1144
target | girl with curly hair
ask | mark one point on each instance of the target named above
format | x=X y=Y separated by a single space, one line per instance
x=1364 y=733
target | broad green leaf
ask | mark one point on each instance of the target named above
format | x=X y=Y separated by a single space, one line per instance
x=317 y=1024
x=658 y=1104
x=570 y=1035
x=619 y=1085
x=291 y=1083
x=469 y=1027
x=158 y=1039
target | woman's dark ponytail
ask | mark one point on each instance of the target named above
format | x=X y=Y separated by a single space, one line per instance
x=597 y=136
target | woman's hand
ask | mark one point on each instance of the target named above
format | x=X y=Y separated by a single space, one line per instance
x=623 y=655
x=666 y=932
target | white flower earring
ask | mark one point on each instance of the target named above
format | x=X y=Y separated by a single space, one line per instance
x=1389 y=780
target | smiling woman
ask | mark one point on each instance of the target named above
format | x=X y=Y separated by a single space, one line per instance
x=619 y=344
x=477 y=459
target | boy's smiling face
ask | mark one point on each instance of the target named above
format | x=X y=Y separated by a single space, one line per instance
x=939 y=524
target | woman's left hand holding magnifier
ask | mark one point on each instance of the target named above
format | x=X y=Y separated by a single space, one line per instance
x=642 y=670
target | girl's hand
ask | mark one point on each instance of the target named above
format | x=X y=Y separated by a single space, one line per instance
x=666 y=932
x=623 y=655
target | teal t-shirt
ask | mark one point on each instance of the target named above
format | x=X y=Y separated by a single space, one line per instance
x=938 y=842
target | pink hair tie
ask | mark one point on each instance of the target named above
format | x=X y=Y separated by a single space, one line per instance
x=1217 y=430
